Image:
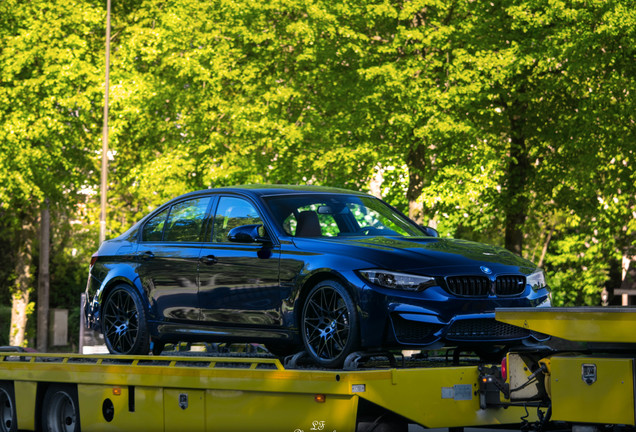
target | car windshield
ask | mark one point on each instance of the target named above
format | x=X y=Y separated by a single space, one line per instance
x=336 y=215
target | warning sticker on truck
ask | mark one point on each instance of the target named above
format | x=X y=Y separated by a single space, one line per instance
x=458 y=392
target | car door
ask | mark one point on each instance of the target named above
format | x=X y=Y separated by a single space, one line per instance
x=238 y=282
x=169 y=256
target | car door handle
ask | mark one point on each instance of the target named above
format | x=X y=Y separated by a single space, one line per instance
x=209 y=260
x=147 y=255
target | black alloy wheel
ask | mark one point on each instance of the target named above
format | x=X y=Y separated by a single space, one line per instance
x=124 y=322
x=60 y=409
x=329 y=324
x=8 y=422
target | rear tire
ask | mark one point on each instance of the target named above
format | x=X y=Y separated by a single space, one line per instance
x=8 y=418
x=329 y=324
x=124 y=322
x=60 y=409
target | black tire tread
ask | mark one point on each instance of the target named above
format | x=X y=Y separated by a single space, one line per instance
x=353 y=340
x=7 y=387
x=141 y=346
x=49 y=396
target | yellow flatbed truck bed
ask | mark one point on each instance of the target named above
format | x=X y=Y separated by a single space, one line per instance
x=588 y=385
x=541 y=387
x=580 y=324
x=125 y=393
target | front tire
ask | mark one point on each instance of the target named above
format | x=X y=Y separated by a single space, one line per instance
x=329 y=324
x=124 y=322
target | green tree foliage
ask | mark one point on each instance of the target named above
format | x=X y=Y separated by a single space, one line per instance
x=549 y=89
x=506 y=122
x=218 y=93
x=50 y=81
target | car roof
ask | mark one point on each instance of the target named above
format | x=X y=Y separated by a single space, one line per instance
x=272 y=190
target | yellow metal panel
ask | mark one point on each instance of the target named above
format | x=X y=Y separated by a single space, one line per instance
x=238 y=411
x=435 y=397
x=25 y=403
x=184 y=410
x=610 y=399
x=581 y=324
x=148 y=402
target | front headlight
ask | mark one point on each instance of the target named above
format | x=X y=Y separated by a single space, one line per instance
x=401 y=281
x=537 y=280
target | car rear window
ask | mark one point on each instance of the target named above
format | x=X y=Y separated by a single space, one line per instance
x=182 y=222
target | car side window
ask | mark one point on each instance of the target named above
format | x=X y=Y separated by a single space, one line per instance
x=185 y=220
x=153 y=230
x=230 y=213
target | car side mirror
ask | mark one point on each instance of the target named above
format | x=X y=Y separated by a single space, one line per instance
x=247 y=234
x=431 y=232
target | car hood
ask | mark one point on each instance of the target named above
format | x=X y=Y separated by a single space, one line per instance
x=426 y=255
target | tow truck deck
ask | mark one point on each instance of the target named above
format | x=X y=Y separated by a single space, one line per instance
x=588 y=379
x=592 y=384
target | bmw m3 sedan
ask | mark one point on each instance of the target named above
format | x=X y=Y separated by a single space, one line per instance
x=324 y=270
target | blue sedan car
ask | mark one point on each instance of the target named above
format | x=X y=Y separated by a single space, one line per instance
x=324 y=270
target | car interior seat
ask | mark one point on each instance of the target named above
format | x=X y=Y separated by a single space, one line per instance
x=308 y=224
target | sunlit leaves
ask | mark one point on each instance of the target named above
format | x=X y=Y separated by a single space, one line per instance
x=49 y=86
x=435 y=103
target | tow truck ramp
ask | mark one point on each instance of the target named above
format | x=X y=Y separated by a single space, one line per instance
x=587 y=379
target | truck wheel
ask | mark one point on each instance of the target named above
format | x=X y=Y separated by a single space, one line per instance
x=8 y=421
x=60 y=409
x=329 y=324
x=124 y=322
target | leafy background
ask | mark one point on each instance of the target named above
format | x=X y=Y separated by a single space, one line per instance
x=507 y=122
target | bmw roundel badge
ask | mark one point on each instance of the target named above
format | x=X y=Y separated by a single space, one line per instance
x=485 y=270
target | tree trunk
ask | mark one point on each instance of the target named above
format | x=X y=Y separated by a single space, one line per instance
x=517 y=203
x=416 y=209
x=22 y=288
x=417 y=168
x=517 y=179
x=43 y=280
x=544 y=251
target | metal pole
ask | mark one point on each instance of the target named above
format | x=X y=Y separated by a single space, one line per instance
x=104 y=180
x=82 y=323
x=44 y=279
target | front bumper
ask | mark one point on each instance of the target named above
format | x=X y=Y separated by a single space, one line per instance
x=413 y=330
x=437 y=317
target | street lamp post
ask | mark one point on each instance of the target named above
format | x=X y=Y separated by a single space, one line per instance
x=104 y=177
